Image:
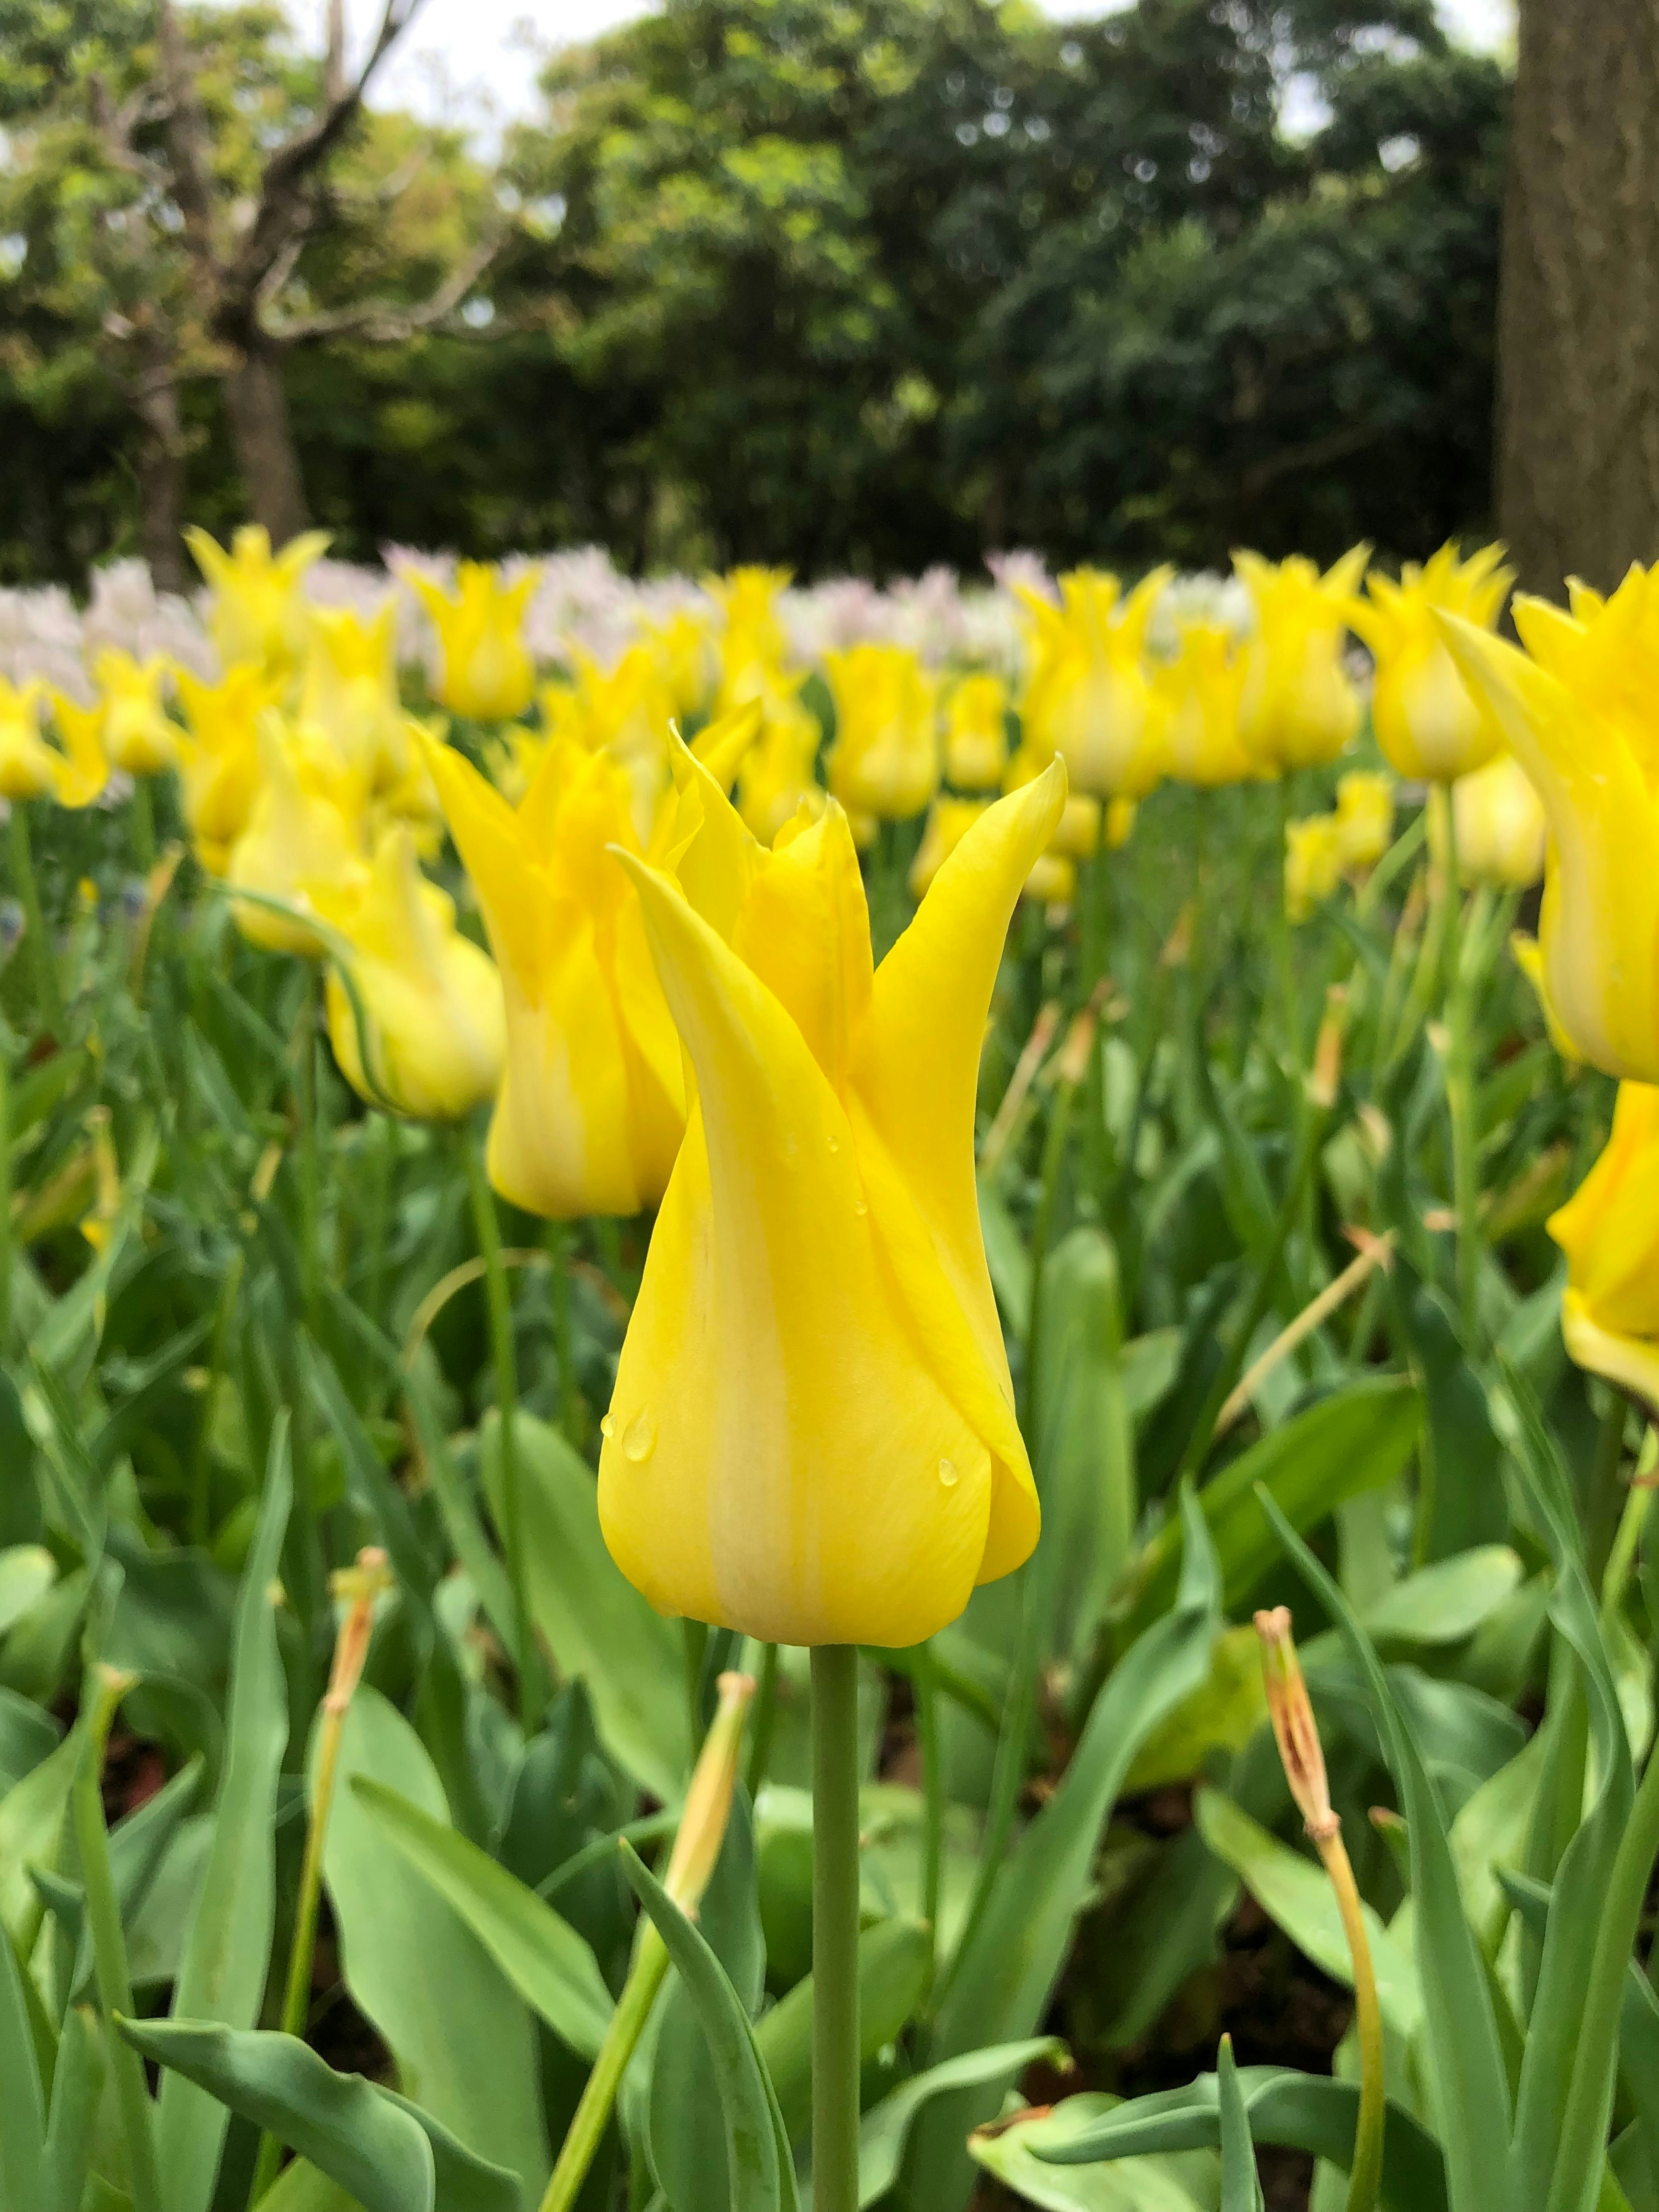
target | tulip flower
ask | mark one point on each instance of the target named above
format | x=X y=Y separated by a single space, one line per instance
x=304 y=832
x=624 y=711
x=976 y=733
x=430 y=999
x=884 y=761
x=1079 y=832
x=949 y=821
x=1576 y=708
x=1088 y=697
x=1050 y=881
x=1296 y=707
x=1197 y=693
x=1609 y=1231
x=778 y=775
x=485 y=669
x=812 y=1435
x=29 y=766
x=1313 y=863
x=1364 y=817
x=255 y=610
x=219 y=759
x=1119 y=822
x=137 y=736
x=1499 y=826
x=753 y=647
x=351 y=691
x=1529 y=958
x=1426 y=722
x=592 y=1101
x=81 y=772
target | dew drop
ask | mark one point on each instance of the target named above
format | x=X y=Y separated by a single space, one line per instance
x=639 y=1436
x=608 y=1425
x=835 y=1143
x=860 y=1205
x=949 y=1474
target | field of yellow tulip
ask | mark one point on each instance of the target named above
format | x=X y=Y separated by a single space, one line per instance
x=818 y=1396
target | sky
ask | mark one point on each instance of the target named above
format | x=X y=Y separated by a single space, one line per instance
x=473 y=61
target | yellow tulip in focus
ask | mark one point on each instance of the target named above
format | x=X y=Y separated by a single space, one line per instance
x=593 y=1100
x=812 y=1435
x=1609 y=1231
x=486 y=672
x=1198 y=694
x=885 y=759
x=219 y=760
x=1425 y=719
x=976 y=733
x=1296 y=707
x=777 y=778
x=1313 y=863
x=256 y=611
x=1576 y=708
x=29 y=766
x=1364 y=817
x=430 y=999
x=1088 y=697
x=137 y=736
x=949 y=821
x=1499 y=824
x=304 y=831
x=81 y=773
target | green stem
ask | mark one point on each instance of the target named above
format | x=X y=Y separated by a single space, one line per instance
x=311 y=1208
x=766 y=1714
x=1460 y=1091
x=1053 y=1159
x=694 y=1650
x=1605 y=1502
x=834 y=1928
x=143 y=819
x=500 y=1305
x=1284 y=957
x=7 y=1241
x=592 y=2114
x=1365 y=2173
x=933 y=1797
x=560 y=1247
x=109 y=1950
x=201 y=1476
x=34 y=925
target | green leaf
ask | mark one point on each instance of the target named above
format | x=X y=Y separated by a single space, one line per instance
x=383 y=2150
x=1008 y=2149
x=885 y=2128
x=894 y=1958
x=1296 y=1894
x=597 y=1625
x=228 y=1952
x=1356 y=1439
x=78 y=2084
x=759 y=2169
x=27 y=1737
x=32 y=1815
x=22 y=2107
x=303 y=2187
x=1447 y=1602
x=28 y=1571
x=548 y=1964
x=1241 y=2185
x=461 y=1522
x=1463 y=1502
x=138 y=1847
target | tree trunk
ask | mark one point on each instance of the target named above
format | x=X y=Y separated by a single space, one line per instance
x=263 y=439
x=161 y=476
x=1578 y=308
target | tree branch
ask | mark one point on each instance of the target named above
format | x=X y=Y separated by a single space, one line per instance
x=384 y=322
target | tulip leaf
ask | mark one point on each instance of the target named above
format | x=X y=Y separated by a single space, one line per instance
x=1356 y=1439
x=227 y=1952
x=1308 y=2112
x=77 y=2083
x=885 y=2128
x=22 y=2106
x=303 y=2187
x=597 y=1625
x=388 y=2154
x=1241 y=2185
x=1461 y=1503
x=1183 y=2181
x=1447 y=1602
x=32 y=1815
x=27 y=1737
x=28 y=1571
x=548 y=1964
x=760 y=2171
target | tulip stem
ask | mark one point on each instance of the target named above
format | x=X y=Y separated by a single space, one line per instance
x=1459 y=1087
x=766 y=1714
x=834 y=1928
x=499 y=1302
x=34 y=925
x=7 y=1242
x=592 y=2113
x=561 y=1252
x=932 y=1798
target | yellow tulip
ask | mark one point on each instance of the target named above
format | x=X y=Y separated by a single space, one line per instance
x=884 y=761
x=1079 y=835
x=431 y=999
x=256 y=611
x=219 y=760
x=778 y=775
x=1609 y=1231
x=1425 y=719
x=1364 y=817
x=138 y=737
x=976 y=733
x=1499 y=824
x=949 y=821
x=1313 y=863
x=626 y=712
x=812 y=1435
x=1576 y=708
x=1296 y=708
x=29 y=765
x=487 y=673
x=1527 y=956
x=683 y=655
x=1051 y=880
x=1119 y=822
x=1197 y=693
x=304 y=832
x=82 y=772
x=593 y=1100
x=350 y=689
x=1088 y=697
x=753 y=646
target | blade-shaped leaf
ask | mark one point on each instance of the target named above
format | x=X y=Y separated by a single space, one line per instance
x=1241 y=2185
x=77 y=2083
x=1008 y=2149
x=22 y=2108
x=885 y=2128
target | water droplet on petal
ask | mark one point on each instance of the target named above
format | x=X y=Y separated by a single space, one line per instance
x=639 y=1436
x=608 y=1425
x=835 y=1143
x=860 y=1205
x=949 y=1474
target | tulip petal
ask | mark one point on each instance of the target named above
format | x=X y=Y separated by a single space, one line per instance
x=492 y=849
x=779 y=1457
x=1631 y=1361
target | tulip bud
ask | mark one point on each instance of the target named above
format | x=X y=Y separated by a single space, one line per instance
x=1296 y=707
x=885 y=760
x=1088 y=697
x=1427 y=720
x=976 y=733
x=1499 y=825
x=703 y=1826
x=1295 y=1729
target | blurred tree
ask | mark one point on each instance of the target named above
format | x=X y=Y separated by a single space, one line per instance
x=1578 y=424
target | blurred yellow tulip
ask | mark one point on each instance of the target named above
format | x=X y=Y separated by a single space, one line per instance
x=351 y=691
x=1313 y=863
x=255 y=608
x=137 y=735
x=976 y=733
x=949 y=821
x=29 y=765
x=1198 y=694
x=304 y=831
x=885 y=759
x=219 y=759
x=1499 y=823
x=1088 y=697
x=1119 y=822
x=429 y=998
x=778 y=775
x=485 y=669
x=1426 y=722
x=1577 y=709
x=1529 y=957
x=81 y=772
x=1296 y=707
x=1609 y=1231
x=1051 y=880
x=1364 y=817
x=752 y=646
x=682 y=655
x=812 y=1434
